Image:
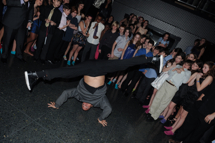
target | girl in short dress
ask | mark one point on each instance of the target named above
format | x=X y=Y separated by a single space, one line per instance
x=79 y=39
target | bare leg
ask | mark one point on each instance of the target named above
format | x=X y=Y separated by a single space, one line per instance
x=176 y=122
x=136 y=84
x=14 y=46
x=181 y=121
x=29 y=43
x=169 y=108
x=67 y=50
x=1 y=34
x=153 y=96
x=72 y=51
x=179 y=112
x=165 y=112
x=122 y=79
x=76 y=53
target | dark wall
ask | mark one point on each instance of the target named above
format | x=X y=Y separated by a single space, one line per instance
x=169 y=18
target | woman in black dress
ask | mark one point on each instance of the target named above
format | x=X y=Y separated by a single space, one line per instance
x=199 y=83
x=199 y=49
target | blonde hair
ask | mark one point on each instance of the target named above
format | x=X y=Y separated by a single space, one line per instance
x=115 y=23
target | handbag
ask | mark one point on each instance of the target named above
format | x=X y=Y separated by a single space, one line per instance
x=97 y=52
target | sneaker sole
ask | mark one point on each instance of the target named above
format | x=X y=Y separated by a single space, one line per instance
x=161 y=63
x=27 y=80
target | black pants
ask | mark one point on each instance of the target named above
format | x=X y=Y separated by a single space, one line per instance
x=9 y=35
x=59 y=52
x=42 y=45
x=143 y=88
x=55 y=42
x=104 y=51
x=193 y=128
x=133 y=75
x=88 y=47
x=92 y=68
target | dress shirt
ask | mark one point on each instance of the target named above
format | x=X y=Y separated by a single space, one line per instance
x=178 y=78
x=61 y=8
x=167 y=58
x=63 y=21
x=121 y=42
x=90 y=39
x=151 y=73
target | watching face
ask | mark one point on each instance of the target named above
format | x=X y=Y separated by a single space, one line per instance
x=39 y=2
x=99 y=19
x=121 y=29
x=127 y=33
x=186 y=66
x=137 y=38
x=56 y=3
x=178 y=59
x=195 y=66
x=166 y=36
x=74 y=13
x=81 y=6
x=205 y=68
x=67 y=11
x=191 y=57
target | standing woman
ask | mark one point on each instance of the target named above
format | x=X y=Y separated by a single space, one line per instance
x=105 y=9
x=143 y=29
x=140 y=22
x=133 y=22
x=79 y=39
x=35 y=27
x=110 y=20
x=199 y=49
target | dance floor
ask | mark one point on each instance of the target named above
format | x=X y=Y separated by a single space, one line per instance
x=25 y=117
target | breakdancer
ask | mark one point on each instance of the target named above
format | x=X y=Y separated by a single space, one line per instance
x=91 y=89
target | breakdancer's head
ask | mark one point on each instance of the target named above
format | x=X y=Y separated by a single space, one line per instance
x=86 y=106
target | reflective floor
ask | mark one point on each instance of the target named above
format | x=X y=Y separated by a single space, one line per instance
x=24 y=116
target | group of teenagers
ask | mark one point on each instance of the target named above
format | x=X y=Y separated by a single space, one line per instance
x=124 y=52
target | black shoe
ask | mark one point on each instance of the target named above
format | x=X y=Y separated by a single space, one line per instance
x=43 y=62
x=126 y=94
x=30 y=79
x=4 y=60
x=35 y=60
x=22 y=60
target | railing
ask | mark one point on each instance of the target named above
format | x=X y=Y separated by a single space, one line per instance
x=207 y=6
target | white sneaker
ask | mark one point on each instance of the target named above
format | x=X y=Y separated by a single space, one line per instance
x=77 y=58
x=113 y=80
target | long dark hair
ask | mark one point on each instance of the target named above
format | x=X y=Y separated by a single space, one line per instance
x=183 y=56
x=138 y=42
x=77 y=5
x=198 y=47
x=200 y=64
x=211 y=71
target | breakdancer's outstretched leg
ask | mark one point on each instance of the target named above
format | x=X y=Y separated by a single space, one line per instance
x=91 y=89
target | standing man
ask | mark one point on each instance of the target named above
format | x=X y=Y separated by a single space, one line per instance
x=93 y=40
x=18 y=17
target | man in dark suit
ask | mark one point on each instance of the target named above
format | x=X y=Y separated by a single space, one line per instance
x=17 y=18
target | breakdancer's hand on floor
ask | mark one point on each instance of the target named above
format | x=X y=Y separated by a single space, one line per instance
x=52 y=104
x=103 y=122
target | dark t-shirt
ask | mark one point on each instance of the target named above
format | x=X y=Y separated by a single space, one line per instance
x=69 y=31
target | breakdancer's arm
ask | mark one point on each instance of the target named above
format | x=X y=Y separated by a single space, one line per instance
x=106 y=107
x=63 y=98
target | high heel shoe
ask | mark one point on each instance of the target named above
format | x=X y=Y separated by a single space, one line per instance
x=116 y=86
x=13 y=52
x=109 y=83
x=145 y=106
x=73 y=63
